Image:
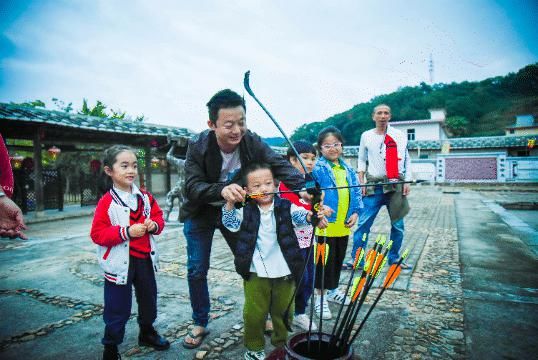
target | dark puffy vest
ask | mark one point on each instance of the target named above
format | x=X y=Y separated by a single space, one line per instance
x=286 y=237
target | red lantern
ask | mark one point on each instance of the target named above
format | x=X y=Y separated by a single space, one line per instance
x=53 y=152
x=95 y=165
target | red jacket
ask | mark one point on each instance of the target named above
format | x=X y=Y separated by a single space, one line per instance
x=110 y=231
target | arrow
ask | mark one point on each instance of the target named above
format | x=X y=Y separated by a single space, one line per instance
x=392 y=274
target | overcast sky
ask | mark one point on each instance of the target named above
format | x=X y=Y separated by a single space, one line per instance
x=309 y=59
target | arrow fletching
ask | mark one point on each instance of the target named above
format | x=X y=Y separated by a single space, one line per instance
x=392 y=274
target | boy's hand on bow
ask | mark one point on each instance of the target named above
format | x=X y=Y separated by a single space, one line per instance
x=322 y=220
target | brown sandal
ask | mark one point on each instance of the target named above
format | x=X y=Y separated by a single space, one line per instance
x=198 y=339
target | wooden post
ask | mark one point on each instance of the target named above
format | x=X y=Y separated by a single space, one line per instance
x=38 y=171
x=147 y=169
x=168 y=177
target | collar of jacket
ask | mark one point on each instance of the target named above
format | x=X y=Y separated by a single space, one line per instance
x=214 y=158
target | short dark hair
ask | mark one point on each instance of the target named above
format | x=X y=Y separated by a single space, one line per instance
x=329 y=130
x=224 y=99
x=254 y=167
x=302 y=147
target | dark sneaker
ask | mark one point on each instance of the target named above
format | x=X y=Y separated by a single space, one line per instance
x=150 y=337
x=111 y=353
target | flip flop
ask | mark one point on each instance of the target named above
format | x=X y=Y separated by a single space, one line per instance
x=199 y=339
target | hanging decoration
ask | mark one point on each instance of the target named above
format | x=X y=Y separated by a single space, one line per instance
x=155 y=162
x=54 y=152
x=16 y=161
x=95 y=166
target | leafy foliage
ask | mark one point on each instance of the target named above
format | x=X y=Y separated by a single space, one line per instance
x=61 y=105
x=482 y=108
x=33 y=104
x=457 y=125
x=99 y=109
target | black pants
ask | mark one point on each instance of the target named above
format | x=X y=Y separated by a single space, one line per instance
x=337 y=253
x=118 y=300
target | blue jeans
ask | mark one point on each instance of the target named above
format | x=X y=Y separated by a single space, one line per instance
x=305 y=287
x=118 y=300
x=199 y=234
x=367 y=215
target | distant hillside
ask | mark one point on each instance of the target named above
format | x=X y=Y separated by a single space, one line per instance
x=481 y=108
x=275 y=141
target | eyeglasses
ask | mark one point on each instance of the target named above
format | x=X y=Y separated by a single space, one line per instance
x=330 y=146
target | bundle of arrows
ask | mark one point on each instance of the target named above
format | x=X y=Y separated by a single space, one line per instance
x=345 y=331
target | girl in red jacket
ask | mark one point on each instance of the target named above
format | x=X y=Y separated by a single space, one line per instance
x=125 y=220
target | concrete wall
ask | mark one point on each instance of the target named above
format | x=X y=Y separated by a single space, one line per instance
x=432 y=131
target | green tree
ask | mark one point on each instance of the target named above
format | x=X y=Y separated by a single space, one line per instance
x=457 y=125
x=99 y=110
x=488 y=106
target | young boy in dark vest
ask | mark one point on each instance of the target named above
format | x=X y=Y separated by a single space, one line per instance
x=267 y=256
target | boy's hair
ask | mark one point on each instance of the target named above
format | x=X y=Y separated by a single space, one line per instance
x=224 y=99
x=254 y=167
x=328 y=131
x=109 y=159
x=302 y=147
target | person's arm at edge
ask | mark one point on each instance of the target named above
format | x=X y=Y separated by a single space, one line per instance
x=361 y=164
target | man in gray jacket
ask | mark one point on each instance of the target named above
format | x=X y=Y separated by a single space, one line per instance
x=213 y=175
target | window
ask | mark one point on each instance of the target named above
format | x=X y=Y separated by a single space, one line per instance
x=410 y=134
x=512 y=131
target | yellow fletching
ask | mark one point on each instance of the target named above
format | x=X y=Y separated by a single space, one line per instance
x=359 y=288
x=358 y=257
x=381 y=267
x=355 y=284
x=326 y=254
x=383 y=240
x=378 y=260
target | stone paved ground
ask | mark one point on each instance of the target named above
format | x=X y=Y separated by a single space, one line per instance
x=51 y=294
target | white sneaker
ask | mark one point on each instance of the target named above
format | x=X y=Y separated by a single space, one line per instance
x=302 y=321
x=318 y=307
x=254 y=355
x=337 y=296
